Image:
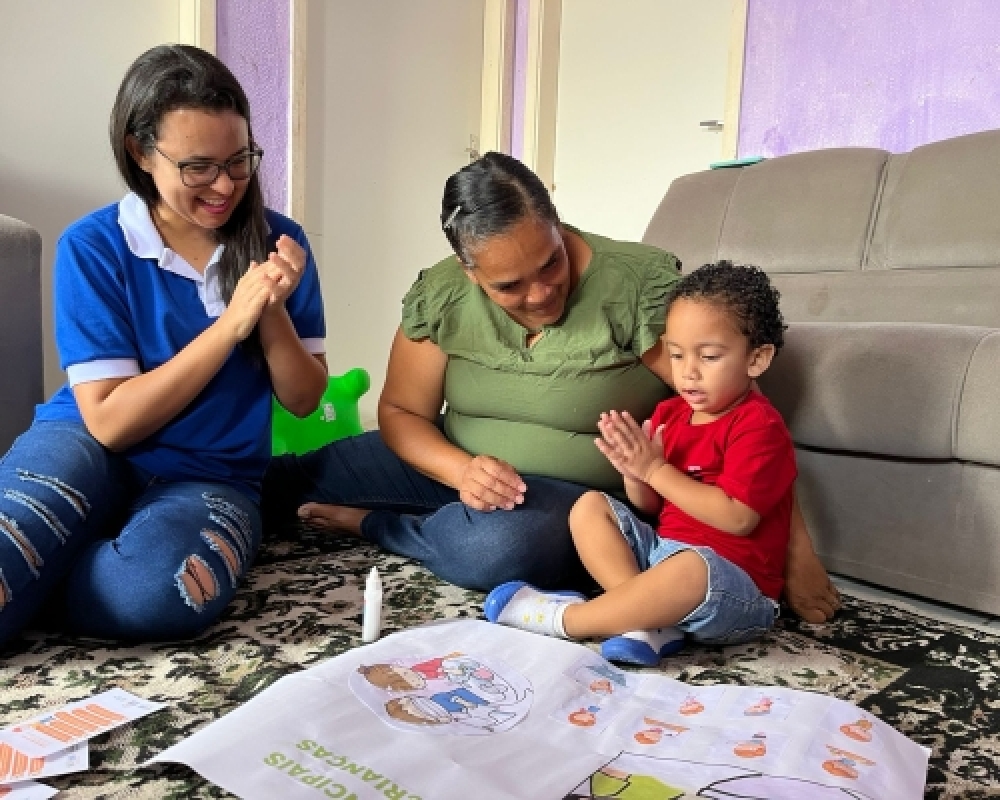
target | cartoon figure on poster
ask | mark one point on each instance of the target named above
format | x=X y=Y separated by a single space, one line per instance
x=690 y=706
x=601 y=678
x=590 y=710
x=760 y=748
x=654 y=731
x=609 y=782
x=754 y=703
x=776 y=787
x=855 y=757
x=632 y=777
x=584 y=717
x=759 y=709
x=753 y=747
x=692 y=701
x=860 y=731
x=844 y=763
x=451 y=694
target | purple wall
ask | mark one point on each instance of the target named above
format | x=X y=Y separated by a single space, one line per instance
x=878 y=73
x=253 y=39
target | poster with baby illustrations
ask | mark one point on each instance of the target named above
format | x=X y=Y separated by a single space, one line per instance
x=751 y=742
x=447 y=711
x=465 y=708
x=447 y=695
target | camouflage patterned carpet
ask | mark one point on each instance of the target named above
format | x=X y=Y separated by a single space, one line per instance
x=938 y=683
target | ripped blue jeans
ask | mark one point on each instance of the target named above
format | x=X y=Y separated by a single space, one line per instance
x=110 y=551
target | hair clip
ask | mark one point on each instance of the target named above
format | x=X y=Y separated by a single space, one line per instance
x=451 y=218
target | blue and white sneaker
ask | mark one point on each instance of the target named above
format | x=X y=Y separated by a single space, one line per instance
x=521 y=605
x=643 y=648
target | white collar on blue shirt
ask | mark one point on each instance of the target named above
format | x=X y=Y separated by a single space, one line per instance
x=145 y=241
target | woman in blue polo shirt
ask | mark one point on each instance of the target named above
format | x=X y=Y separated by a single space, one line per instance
x=131 y=505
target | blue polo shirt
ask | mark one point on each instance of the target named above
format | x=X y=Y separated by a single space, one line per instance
x=125 y=304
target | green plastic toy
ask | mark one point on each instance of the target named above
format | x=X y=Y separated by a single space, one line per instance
x=336 y=418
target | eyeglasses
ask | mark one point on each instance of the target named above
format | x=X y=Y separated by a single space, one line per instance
x=202 y=172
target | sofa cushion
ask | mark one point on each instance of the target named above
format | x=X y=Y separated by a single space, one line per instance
x=689 y=219
x=882 y=388
x=807 y=212
x=978 y=429
x=944 y=296
x=931 y=528
x=943 y=209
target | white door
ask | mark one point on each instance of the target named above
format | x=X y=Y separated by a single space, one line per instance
x=636 y=80
x=393 y=96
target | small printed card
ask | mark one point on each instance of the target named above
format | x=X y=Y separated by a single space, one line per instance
x=15 y=766
x=77 y=722
x=27 y=790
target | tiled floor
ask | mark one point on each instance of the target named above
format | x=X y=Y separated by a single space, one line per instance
x=929 y=608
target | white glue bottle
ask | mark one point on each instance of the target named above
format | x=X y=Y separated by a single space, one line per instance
x=372 y=620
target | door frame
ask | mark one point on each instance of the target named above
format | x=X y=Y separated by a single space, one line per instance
x=297 y=31
x=499 y=36
x=541 y=78
x=734 y=83
x=196 y=23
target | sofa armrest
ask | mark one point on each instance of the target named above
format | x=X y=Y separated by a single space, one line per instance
x=21 y=365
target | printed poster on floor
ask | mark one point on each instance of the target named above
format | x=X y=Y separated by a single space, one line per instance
x=439 y=710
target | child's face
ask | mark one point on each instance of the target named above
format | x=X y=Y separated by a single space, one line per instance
x=711 y=362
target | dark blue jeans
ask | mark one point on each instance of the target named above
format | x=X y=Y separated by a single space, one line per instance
x=110 y=551
x=415 y=516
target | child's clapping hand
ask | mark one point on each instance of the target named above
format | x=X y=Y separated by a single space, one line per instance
x=635 y=452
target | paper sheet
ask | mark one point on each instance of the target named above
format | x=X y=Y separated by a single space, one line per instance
x=52 y=731
x=310 y=735
x=15 y=766
x=752 y=742
x=28 y=790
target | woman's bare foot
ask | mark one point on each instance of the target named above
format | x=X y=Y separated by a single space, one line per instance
x=808 y=590
x=339 y=519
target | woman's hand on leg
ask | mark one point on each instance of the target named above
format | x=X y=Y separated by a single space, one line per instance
x=489 y=483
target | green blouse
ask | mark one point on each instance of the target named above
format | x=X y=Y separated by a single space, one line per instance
x=537 y=407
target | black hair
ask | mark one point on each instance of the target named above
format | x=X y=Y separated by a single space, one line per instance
x=487 y=198
x=745 y=292
x=176 y=76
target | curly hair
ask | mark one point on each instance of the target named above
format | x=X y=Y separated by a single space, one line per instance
x=745 y=292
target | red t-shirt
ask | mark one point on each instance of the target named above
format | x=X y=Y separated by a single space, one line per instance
x=748 y=454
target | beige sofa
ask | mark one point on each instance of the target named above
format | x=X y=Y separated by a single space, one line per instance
x=889 y=269
x=20 y=327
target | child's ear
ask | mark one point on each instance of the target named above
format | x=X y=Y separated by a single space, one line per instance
x=760 y=360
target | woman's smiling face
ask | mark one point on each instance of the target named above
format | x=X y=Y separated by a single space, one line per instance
x=194 y=135
x=525 y=271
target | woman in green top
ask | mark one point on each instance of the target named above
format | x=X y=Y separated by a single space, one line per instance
x=525 y=336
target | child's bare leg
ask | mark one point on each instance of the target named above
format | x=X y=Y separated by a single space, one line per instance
x=638 y=609
x=660 y=597
x=599 y=542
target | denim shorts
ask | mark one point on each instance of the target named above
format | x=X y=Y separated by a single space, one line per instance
x=734 y=609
